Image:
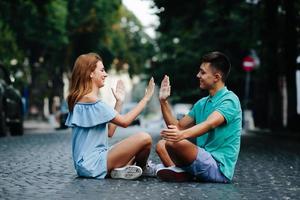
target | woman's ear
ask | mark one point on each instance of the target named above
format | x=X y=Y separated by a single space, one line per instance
x=92 y=74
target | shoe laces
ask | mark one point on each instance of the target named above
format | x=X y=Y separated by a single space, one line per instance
x=150 y=167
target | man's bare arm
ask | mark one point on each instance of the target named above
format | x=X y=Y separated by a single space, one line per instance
x=172 y=133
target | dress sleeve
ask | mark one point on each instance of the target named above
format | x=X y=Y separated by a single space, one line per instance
x=89 y=115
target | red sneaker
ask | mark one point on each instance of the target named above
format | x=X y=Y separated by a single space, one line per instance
x=173 y=174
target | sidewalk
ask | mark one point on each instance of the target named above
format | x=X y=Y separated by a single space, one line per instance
x=38 y=126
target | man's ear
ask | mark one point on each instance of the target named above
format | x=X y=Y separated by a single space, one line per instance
x=218 y=76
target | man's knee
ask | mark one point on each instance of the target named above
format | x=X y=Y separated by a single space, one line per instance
x=172 y=146
x=183 y=152
x=160 y=146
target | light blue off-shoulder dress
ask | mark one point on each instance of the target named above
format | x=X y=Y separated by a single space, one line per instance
x=89 y=137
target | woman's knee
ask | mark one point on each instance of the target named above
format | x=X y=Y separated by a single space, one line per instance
x=144 y=138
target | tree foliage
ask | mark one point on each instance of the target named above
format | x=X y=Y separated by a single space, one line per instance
x=46 y=36
x=186 y=36
x=188 y=31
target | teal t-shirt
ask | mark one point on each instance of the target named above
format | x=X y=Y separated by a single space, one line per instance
x=223 y=142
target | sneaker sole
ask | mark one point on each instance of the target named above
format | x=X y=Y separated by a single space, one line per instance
x=127 y=172
x=172 y=176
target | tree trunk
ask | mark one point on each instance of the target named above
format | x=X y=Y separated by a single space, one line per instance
x=290 y=55
x=270 y=62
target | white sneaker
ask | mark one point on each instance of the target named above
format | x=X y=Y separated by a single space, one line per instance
x=127 y=172
x=173 y=174
x=150 y=169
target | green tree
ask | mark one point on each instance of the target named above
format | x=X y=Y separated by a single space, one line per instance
x=89 y=25
x=269 y=27
x=45 y=37
x=130 y=44
x=39 y=32
x=279 y=47
x=186 y=36
x=109 y=28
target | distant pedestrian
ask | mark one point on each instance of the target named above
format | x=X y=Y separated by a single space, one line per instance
x=93 y=121
x=215 y=121
x=56 y=108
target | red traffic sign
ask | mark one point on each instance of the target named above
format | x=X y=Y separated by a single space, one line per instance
x=248 y=63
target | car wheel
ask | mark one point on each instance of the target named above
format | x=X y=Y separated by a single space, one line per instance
x=16 y=128
x=3 y=127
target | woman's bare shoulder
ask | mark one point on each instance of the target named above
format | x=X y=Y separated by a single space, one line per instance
x=88 y=99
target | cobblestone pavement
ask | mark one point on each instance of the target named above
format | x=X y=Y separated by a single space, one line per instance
x=39 y=166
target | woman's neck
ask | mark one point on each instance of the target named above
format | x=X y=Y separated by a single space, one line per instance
x=95 y=91
x=91 y=97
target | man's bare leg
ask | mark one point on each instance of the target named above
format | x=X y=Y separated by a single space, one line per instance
x=163 y=153
x=181 y=154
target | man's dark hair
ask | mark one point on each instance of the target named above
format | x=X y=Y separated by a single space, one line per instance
x=219 y=61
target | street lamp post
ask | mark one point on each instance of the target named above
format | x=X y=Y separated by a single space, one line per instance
x=248 y=66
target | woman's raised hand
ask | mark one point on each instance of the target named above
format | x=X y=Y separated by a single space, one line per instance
x=119 y=93
x=150 y=89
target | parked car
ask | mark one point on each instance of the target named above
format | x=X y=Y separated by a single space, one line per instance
x=11 y=108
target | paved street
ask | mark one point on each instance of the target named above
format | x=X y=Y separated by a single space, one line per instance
x=38 y=166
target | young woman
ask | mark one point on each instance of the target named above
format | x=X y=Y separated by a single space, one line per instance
x=93 y=121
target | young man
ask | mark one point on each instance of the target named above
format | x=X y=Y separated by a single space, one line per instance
x=215 y=121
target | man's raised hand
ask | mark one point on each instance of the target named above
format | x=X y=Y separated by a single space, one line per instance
x=165 y=88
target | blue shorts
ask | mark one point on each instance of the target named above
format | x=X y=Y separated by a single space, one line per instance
x=206 y=168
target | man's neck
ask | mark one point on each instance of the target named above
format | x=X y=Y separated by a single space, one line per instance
x=216 y=88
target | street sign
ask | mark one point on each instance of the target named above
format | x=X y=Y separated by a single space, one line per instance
x=248 y=63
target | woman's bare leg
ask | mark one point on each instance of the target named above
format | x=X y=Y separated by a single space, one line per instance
x=132 y=161
x=137 y=146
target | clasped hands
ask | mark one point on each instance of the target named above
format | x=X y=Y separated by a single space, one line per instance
x=172 y=134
